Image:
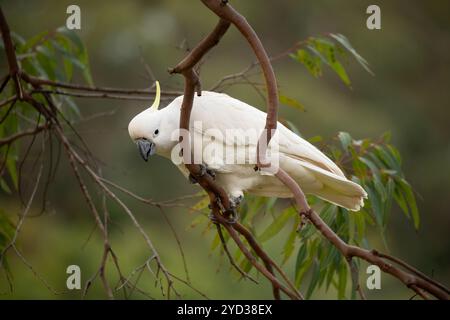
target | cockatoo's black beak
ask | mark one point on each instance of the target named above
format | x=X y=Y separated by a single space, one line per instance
x=146 y=148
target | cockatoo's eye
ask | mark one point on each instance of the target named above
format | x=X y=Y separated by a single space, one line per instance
x=156 y=133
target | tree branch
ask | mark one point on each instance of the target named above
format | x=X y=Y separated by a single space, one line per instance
x=10 y=54
x=30 y=132
x=78 y=87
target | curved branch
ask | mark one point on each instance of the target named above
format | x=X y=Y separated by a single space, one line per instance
x=216 y=193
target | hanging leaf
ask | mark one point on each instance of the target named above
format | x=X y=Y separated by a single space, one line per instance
x=289 y=246
x=346 y=44
x=342 y=282
x=275 y=227
x=312 y=64
x=314 y=279
x=290 y=102
x=201 y=204
x=345 y=139
x=411 y=200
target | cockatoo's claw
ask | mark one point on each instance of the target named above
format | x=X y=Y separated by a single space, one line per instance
x=233 y=215
x=212 y=173
x=202 y=170
x=205 y=170
x=192 y=179
x=236 y=201
x=212 y=217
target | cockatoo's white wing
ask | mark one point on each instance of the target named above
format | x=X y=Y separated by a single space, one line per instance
x=316 y=173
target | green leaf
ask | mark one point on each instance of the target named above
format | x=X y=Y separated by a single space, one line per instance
x=307 y=231
x=81 y=52
x=17 y=39
x=389 y=160
x=340 y=71
x=68 y=68
x=275 y=227
x=411 y=200
x=360 y=225
x=376 y=204
x=330 y=255
x=4 y=186
x=327 y=51
x=290 y=102
x=328 y=213
x=345 y=139
x=351 y=227
x=395 y=153
x=379 y=187
x=33 y=41
x=199 y=219
x=7 y=230
x=201 y=204
x=216 y=241
x=390 y=188
x=312 y=64
x=346 y=44
x=289 y=245
x=73 y=36
x=246 y=265
x=314 y=279
x=401 y=201
x=270 y=203
x=315 y=139
x=253 y=206
x=12 y=170
x=342 y=282
x=329 y=277
x=300 y=261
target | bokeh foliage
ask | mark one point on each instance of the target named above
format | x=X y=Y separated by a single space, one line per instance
x=48 y=55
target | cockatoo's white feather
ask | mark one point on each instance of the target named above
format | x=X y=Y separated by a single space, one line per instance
x=314 y=172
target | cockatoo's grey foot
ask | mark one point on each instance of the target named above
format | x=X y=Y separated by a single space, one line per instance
x=203 y=170
x=192 y=179
x=235 y=200
x=212 y=217
x=232 y=214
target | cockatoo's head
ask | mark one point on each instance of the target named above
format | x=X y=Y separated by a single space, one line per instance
x=145 y=131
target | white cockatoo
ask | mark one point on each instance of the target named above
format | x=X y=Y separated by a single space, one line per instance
x=213 y=115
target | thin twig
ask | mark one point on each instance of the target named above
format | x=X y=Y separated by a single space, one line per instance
x=79 y=87
x=99 y=95
x=29 y=132
x=230 y=258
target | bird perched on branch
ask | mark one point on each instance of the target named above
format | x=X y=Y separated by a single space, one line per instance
x=221 y=126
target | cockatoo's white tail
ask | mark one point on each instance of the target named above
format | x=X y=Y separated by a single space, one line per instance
x=338 y=189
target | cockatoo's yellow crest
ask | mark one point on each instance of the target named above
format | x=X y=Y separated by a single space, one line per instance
x=155 y=104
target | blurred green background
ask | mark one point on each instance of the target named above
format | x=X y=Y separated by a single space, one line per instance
x=409 y=96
